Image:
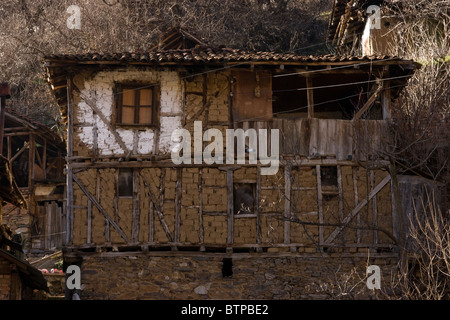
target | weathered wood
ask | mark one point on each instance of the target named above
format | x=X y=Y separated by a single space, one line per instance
x=89 y=222
x=374 y=208
x=356 y=210
x=368 y=104
x=97 y=195
x=136 y=207
x=257 y=206
x=341 y=193
x=319 y=202
x=100 y=208
x=287 y=203
x=159 y=207
x=355 y=191
x=178 y=192
x=201 y=236
x=310 y=97
x=386 y=100
x=230 y=208
x=151 y=221
x=69 y=176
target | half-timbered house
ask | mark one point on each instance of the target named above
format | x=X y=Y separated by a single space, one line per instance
x=141 y=226
x=36 y=156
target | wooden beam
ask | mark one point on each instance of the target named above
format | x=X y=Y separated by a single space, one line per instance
x=178 y=192
x=319 y=202
x=310 y=97
x=136 y=206
x=386 y=100
x=230 y=208
x=159 y=207
x=356 y=210
x=101 y=209
x=287 y=203
x=368 y=104
x=69 y=176
x=201 y=235
x=257 y=205
x=374 y=208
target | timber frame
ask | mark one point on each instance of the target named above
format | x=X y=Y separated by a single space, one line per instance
x=175 y=207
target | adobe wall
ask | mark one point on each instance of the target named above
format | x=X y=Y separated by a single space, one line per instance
x=306 y=276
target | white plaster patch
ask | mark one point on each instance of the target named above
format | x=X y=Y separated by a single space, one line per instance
x=100 y=90
x=168 y=126
x=145 y=144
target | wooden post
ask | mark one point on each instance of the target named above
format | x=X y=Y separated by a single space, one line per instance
x=201 y=235
x=355 y=190
x=374 y=208
x=287 y=202
x=319 y=203
x=257 y=202
x=230 y=209
x=136 y=206
x=5 y=93
x=178 y=192
x=386 y=100
x=310 y=96
x=69 y=176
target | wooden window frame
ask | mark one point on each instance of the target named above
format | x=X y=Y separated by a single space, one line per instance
x=120 y=88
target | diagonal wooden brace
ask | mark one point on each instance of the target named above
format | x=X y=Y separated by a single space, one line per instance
x=100 y=208
x=358 y=208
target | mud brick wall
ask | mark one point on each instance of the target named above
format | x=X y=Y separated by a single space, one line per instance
x=306 y=276
x=19 y=221
x=5 y=279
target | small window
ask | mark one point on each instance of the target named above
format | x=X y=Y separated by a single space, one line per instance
x=125 y=186
x=244 y=198
x=137 y=105
x=328 y=176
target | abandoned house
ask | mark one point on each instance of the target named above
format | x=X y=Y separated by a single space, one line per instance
x=368 y=27
x=142 y=227
x=363 y=26
x=18 y=279
x=36 y=155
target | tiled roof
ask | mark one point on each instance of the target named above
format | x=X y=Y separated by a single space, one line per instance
x=201 y=55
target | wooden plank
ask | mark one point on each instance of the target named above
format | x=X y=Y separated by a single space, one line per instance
x=201 y=236
x=97 y=195
x=355 y=191
x=178 y=192
x=374 y=208
x=319 y=202
x=159 y=207
x=287 y=203
x=368 y=104
x=95 y=136
x=230 y=208
x=257 y=206
x=386 y=100
x=151 y=221
x=356 y=210
x=100 y=208
x=89 y=223
x=136 y=207
x=313 y=138
x=341 y=194
x=310 y=97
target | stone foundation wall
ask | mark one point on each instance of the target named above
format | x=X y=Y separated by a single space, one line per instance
x=209 y=276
